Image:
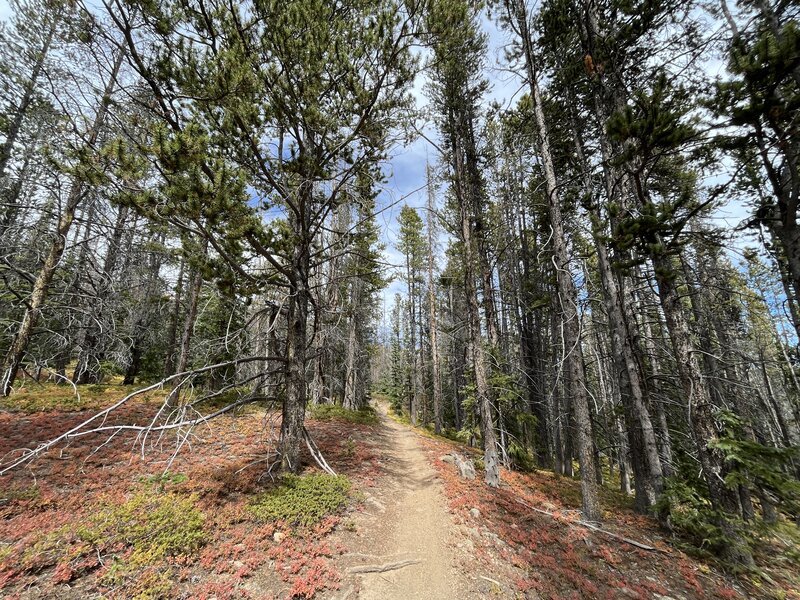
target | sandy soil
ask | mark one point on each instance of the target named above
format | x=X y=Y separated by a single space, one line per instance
x=410 y=547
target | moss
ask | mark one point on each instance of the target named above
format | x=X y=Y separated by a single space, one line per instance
x=302 y=500
x=327 y=412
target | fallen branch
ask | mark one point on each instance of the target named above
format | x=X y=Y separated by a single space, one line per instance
x=594 y=528
x=316 y=454
x=383 y=568
x=98 y=420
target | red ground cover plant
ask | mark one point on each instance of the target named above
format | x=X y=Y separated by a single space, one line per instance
x=63 y=518
x=554 y=557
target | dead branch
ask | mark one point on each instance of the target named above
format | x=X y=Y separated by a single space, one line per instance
x=100 y=417
x=594 y=528
x=316 y=454
x=384 y=568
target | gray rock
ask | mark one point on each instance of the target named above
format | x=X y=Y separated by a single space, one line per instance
x=474 y=513
x=465 y=467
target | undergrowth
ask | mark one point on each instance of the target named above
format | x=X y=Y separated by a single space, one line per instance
x=302 y=500
x=46 y=397
x=133 y=544
x=326 y=412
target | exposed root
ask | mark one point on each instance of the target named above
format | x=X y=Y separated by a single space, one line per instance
x=384 y=568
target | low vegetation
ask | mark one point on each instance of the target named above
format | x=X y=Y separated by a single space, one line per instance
x=42 y=397
x=302 y=500
x=326 y=412
x=115 y=524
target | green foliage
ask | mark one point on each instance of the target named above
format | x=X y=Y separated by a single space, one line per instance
x=327 y=412
x=302 y=500
x=691 y=515
x=467 y=435
x=161 y=480
x=521 y=457
x=411 y=243
x=480 y=467
x=752 y=463
x=155 y=525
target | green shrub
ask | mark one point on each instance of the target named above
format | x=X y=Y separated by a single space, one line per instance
x=155 y=525
x=162 y=480
x=691 y=515
x=302 y=500
x=136 y=538
x=521 y=457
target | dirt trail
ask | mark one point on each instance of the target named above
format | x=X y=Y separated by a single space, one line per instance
x=408 y=534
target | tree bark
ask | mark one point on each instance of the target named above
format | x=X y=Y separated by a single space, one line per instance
x=294 y=404
x=437 y=379
x=700 y=411
x=567 y=293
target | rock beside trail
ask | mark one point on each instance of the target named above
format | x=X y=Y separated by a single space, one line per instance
x=464 y=465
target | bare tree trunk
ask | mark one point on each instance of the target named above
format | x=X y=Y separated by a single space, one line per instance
x=645 y=459
x=351 y=400
x=187 y=332
x=93 y=348
x=466 y=193
x=661 y=413
x=16 y=351
x=351 y=371
x=437 y=379
x=294 y=404
x=567 y=294
x=490 y=458
x=413 y=358
x=172 y=333
x=700 y=411
x=27 y=98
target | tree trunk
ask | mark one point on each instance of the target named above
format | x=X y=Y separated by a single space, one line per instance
x=16 y=351
x=700 y=411
x=437 y=380
x=27 y=98
x=483 y=403
x=172 y=332
x=567 y=293
x=351 y=400
x=648 y=475
x=294 y=404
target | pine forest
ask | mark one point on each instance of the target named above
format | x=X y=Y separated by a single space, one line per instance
x=392 y=299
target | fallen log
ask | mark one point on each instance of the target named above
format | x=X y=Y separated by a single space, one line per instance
x=594 y=527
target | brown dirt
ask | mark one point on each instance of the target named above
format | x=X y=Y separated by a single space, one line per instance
x=406 y=529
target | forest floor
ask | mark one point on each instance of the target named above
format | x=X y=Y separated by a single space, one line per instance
x=99 y=518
